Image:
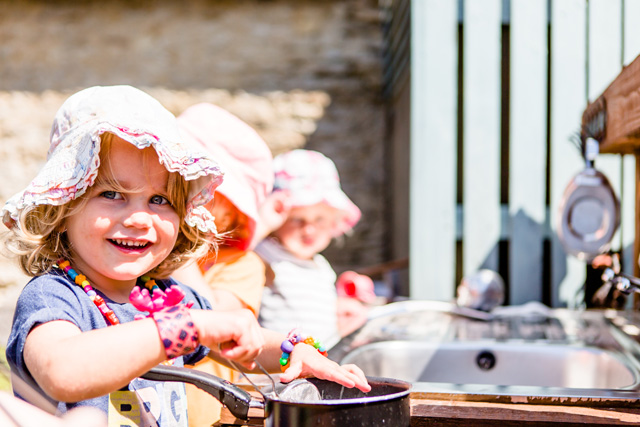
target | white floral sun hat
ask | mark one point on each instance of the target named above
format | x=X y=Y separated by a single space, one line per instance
x=131 y=114
x=309 y=177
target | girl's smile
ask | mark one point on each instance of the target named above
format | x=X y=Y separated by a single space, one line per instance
x=127 y=225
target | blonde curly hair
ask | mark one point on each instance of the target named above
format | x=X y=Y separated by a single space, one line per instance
x=40 y=240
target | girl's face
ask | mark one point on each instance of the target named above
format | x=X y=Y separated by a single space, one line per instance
x=230 y=220
x=308 y=230
x=127 y=227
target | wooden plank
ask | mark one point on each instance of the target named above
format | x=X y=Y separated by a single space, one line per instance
x=430 y=412
x=628 y=217
x=433 y=149
x=568 y=99
x=614 y=117
x=528 y=153
x=636 y=242
x=481 y=196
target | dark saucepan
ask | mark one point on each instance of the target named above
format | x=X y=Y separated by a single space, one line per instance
x=386 y=404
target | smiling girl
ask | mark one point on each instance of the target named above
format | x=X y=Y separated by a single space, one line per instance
x=118 y=206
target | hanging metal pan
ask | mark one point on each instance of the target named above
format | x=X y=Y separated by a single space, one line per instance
x=589 y=215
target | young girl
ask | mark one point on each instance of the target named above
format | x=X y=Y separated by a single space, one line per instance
x=115 y=210
x=233 y=276
x=306 y=211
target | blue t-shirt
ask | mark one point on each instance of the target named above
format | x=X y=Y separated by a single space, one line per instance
x=54 y=296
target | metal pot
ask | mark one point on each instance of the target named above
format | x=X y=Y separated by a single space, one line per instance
x=386 y=404
x=590 y=215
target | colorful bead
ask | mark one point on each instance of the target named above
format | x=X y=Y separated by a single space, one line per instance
x=293 y=338
x=82 y=281
x=286 y=346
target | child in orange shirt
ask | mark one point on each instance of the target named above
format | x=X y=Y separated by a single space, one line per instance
x=233 y=276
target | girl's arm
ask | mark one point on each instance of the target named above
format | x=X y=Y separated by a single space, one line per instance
x=71 y=365
x=305 y=361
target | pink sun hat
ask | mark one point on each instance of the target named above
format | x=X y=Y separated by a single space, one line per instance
x=309 y=177
x=73 y=158
x=243 y=155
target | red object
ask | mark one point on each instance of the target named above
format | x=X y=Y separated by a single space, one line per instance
x=353 y=285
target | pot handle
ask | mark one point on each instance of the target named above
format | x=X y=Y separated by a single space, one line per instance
x=237 y=400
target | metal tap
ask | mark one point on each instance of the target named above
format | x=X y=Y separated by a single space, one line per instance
x=616 y=281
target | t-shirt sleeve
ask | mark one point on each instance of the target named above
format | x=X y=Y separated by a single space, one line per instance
x=244 y=277
x=44 y=299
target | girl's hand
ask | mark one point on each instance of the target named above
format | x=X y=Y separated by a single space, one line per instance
x=305 y=361
x=235 y=332
x=273 y=212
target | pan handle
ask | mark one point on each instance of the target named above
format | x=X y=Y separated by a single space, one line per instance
x=237 y=400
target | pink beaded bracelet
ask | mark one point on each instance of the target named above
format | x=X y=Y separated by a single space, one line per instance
x=294 y=337
x=177 y=330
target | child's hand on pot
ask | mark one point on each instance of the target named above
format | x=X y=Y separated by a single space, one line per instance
x=236 y=333
x=307 y=362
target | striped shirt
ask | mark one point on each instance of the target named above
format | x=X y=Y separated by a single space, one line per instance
x=302 y=294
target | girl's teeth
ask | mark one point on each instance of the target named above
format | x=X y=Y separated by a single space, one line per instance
x=129 y=243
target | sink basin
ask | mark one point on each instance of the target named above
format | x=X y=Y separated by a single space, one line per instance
x=552 y=356
x=498 y=363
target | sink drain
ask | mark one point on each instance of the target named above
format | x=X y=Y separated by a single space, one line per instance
x=486 y=360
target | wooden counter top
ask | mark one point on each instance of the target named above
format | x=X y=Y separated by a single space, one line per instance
x=432 y=412
x=427 y=412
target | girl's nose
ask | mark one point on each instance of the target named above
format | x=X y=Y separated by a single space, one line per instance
x=138 y=219
x=309 y=227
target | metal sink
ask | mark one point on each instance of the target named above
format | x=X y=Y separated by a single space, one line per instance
x=549 y=355
x=498 y=363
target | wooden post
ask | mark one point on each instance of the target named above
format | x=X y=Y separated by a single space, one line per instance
x=614 y=120
x=636 y=240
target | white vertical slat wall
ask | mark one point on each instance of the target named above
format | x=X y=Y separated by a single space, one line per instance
x=604 y=64
x=568 y=100
x=433 y=147
x=575 y=48
x=481 y=128
x=527 y=148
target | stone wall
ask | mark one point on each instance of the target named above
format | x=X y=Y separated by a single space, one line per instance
x=303 y=73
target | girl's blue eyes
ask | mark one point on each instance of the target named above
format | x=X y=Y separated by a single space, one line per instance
x=155 y=200
x=159 y=200
x=111 y=195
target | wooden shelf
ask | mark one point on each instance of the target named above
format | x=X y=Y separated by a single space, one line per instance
x=614 y=117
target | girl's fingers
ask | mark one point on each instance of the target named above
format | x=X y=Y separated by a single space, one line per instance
x=348 y=375
x=360 y=378
x=244 y=355
x=293 y=371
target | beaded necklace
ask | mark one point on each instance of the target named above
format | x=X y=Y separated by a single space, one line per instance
x=81 y=280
